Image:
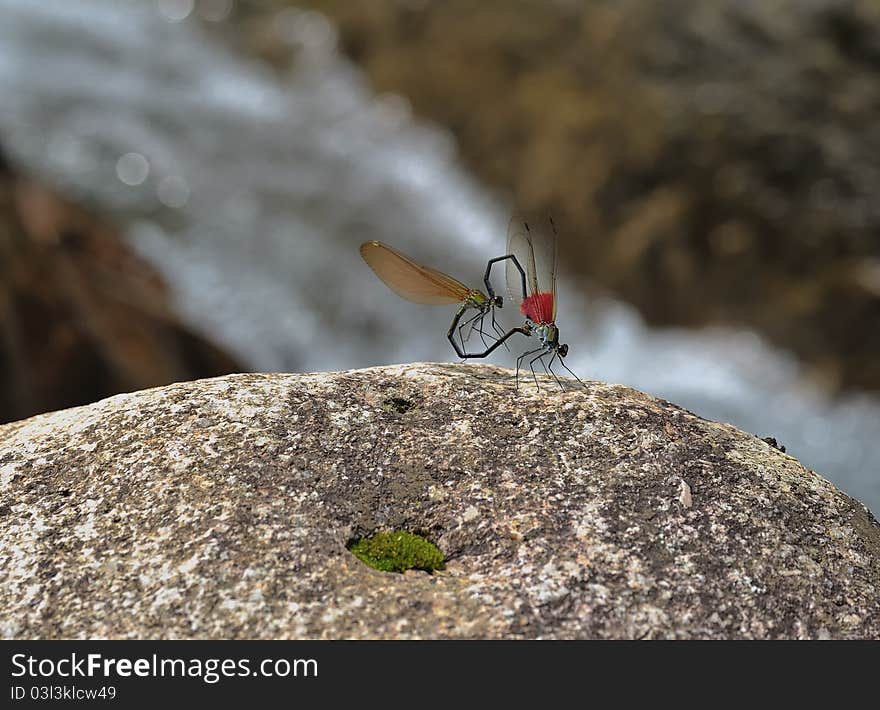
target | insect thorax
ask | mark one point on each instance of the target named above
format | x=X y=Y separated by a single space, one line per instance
x=547 y=333
x=478 y=299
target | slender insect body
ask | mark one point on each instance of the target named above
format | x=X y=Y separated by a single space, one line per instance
x=547 y=334
x=484 y=306
x=536 y=295
x=479 y=300
x=424 y=285
x=532 y=288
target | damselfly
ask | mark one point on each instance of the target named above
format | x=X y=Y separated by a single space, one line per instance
x=422 y=284
x=537 y=298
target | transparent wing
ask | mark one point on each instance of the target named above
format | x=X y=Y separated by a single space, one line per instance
x=412 y=281
x=552 y=256
x=520 y=246
x=536 y=253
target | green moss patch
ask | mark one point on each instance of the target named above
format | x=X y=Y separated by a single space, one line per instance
x=398 y=551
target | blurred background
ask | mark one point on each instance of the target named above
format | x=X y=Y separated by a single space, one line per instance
x=184 y=185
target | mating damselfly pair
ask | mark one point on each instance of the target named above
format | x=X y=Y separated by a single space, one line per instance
x=530 y=272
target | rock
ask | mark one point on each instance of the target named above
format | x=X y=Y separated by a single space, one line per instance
x=81 y=316
x=222 y=509
x=684 y=495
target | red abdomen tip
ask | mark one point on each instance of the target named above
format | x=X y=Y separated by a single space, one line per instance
x=538 y=307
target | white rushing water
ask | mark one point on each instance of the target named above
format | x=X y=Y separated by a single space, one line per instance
x=251 y=193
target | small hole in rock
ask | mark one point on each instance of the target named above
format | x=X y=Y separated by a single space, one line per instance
x=397 y=551
x=398 y=404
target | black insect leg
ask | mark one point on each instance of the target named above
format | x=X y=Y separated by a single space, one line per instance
x=550 y=369
x=519 y=362
x=450 y=334
x=532 y=368
x=476 y=324
x=479 y=328
x=571 y=373
x=469 y=322
x=498 y=329
x=488 y=351
x=544 y=365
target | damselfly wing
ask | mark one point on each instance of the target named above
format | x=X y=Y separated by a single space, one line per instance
x=412 y=281
x=538 y=255
x=422 y=284
x=537 y=298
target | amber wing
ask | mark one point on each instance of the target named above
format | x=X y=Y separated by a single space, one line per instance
x=410 y=280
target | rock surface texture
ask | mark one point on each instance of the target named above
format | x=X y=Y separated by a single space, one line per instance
x=222 y=509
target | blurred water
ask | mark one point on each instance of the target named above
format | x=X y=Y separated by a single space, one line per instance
x=252 y=193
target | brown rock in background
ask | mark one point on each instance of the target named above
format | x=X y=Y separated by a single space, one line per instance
x=708 y=161
x=81 y=317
